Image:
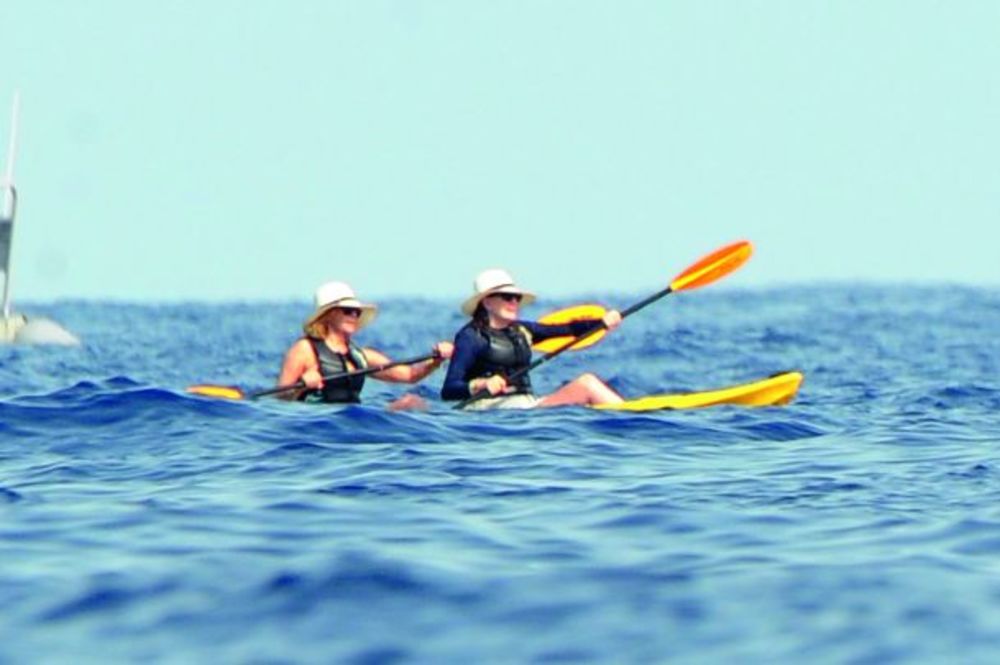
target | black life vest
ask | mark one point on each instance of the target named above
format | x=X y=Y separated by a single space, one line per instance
x=330 y=362
x=508 y=350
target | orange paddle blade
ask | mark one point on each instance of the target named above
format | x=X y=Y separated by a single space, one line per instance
x=569 y=315
x=715 y=266
x=225 y=392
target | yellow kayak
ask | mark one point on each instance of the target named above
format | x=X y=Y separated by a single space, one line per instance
x=772 y=391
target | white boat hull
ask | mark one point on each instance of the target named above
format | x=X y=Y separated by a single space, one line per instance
x=16 y=329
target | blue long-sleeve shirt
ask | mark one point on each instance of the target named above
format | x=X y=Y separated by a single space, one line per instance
x=470 y=345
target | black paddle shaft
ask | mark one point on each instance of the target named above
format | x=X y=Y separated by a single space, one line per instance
x=598 y=326
x=375 y=369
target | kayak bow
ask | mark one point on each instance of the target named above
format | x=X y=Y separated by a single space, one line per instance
x=773 y=391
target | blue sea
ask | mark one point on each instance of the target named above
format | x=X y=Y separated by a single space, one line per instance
x=859 y=524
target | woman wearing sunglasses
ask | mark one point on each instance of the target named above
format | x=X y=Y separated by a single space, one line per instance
x=327 y=349
x=496 y=343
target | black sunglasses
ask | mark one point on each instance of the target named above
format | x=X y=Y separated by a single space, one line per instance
x=350 y=311
x=509 y=297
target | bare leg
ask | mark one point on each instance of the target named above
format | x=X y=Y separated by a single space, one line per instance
x=584 y=389
x=409 y=402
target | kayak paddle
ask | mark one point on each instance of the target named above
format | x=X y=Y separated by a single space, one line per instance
x=232 y=392
x=703 y=272
x=570 y=315
x=576 y=313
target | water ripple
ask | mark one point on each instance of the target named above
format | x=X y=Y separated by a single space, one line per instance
x=859 y=524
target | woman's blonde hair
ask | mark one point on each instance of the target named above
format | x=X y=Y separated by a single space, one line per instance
x=318 y=326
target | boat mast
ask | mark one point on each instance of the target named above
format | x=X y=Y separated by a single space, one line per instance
x=9 y=208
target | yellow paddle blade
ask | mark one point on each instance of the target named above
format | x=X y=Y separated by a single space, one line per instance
x=715 y=266
x=225 y=392
x=569 y=315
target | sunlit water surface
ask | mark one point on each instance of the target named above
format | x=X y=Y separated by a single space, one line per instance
x=859 y=524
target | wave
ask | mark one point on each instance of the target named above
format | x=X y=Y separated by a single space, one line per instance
x=859 y=522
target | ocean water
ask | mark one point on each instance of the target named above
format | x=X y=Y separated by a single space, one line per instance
x=859 y=524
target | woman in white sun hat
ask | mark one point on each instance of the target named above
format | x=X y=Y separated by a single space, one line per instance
x=496 y=343
x=327 y=348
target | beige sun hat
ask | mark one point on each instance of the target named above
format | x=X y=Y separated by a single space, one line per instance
x=338 y=294
x=488 y=282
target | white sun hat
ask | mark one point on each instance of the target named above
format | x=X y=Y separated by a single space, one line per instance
x=338 y=294
x=488 y=282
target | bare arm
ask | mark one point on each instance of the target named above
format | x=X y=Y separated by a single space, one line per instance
x=408 y=373
x=300 y=363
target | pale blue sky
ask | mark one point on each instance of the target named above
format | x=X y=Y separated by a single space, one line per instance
x=223 y=149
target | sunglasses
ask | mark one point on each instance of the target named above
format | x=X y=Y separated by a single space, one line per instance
x=350 y=311
x=509 y=297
